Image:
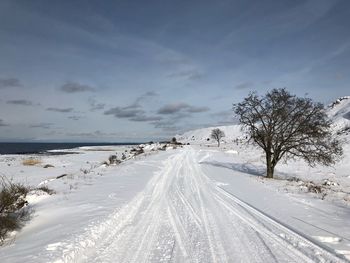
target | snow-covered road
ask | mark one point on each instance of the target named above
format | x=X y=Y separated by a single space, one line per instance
x=183 y=216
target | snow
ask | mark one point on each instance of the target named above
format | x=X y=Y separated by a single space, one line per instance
x=333 y=180
x=196 y=203
x=339 y=112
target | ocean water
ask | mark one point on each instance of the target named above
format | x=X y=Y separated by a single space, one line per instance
x=37 y=148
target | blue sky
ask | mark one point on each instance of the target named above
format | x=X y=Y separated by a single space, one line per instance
x=141 y=70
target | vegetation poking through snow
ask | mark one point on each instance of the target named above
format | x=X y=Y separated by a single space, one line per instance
x=345 y=130
x=31 y=161
x=12 y=207
x=46 y=189
x=113 y=159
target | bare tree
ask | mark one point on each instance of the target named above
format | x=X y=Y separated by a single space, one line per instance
x=286 y=126
x=217 y=134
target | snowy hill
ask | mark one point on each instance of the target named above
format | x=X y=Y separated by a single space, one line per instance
x=198 y=136
x=252 y=158
x=142 y=208
x=338 y=112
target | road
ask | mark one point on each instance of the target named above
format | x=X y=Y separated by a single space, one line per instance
x=183 y=216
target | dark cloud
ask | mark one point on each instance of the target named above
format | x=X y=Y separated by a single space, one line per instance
x=132 y=114
x=62 y=110
x=124 y=112
x=244 y=85
x=174 y=108
x=74 y=87
x=21 y=102
x=188 y=74
x=2 y=123
x=9 y=83
x=43 y=125
x=134 y=111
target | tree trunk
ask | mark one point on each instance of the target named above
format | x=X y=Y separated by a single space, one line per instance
x=269 y=166
x=218 y=143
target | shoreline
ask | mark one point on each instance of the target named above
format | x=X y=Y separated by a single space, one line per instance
x=28 y=148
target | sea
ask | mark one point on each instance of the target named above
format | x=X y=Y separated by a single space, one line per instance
x=42 y=148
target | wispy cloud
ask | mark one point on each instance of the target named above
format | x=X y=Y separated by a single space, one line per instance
x=193 y=109
x=173 y=108
x=134 y=111
x=75 y=118
x=123 y=112
x=94 y=105
x=166 y=125
x=75 y=87
x=86 y=134
x=22 y=102
x=43 y=125
x=2 y=123
x=144 y=118
x=173 y=123
x=225 y=117
x=62 y=110
x=187 y=74
x=139 y=100
x=93 y=134
x=9 y=83
x=244 y=85
x=172 y=58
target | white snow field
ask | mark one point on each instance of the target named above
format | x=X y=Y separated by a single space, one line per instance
x=196 y=203
x=179 y=206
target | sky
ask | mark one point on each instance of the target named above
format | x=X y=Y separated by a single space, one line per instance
x=118 y=71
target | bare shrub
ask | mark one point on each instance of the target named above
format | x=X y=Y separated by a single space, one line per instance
x=46 y=189
x=113 y=159
x=12 y=203
x=313 y=188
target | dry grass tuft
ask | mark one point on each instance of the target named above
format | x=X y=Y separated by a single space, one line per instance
x=31 y=161
x=46 y=189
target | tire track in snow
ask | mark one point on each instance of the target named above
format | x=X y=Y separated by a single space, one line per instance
x=182 y=216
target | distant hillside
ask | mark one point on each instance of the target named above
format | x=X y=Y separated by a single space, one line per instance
x=198 y=136
x=338 y=112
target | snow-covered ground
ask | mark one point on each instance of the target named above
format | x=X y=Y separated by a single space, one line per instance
x=197 y=203
x=179 y=205
x=297 y=176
